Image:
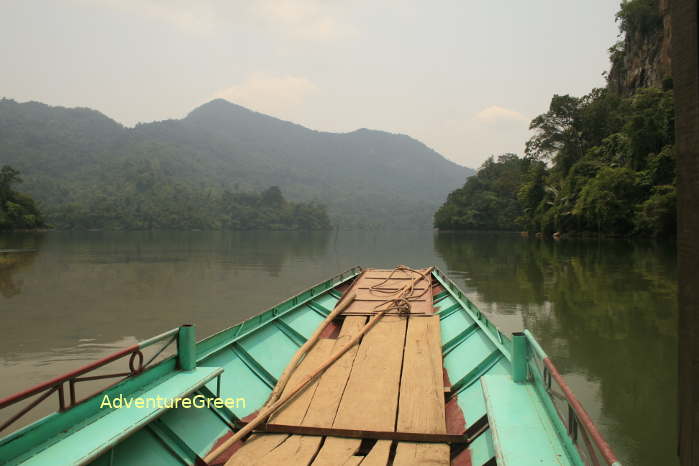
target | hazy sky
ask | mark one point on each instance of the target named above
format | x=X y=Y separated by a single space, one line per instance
x=465 y=77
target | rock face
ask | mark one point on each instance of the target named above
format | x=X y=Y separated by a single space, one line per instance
x=643 y=58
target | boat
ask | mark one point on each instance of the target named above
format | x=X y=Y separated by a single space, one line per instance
x=371 y=367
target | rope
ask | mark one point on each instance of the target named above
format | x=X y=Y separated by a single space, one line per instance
x=397 y=299
x=401 y=302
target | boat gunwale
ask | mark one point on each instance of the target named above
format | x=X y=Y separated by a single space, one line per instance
x=537 y=378
x=501 y=341
x=70 y=418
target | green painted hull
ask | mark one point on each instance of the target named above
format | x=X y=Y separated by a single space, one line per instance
x=243 y=363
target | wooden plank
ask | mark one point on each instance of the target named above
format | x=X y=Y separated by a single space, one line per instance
x=337 y=451
x=295 y=410
x=364 y=434
x=378 y=456
x=254 y=448
x=323 y=406
x=409 y=454
x=390 y=283
x=369 y=295
x=371 y=395
x=368 y=307
x=421 y=406
x=296 y=450
x=373 y=274
x=353 y=461
x=258 y=447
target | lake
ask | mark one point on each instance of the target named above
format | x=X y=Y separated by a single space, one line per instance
x=604 y=310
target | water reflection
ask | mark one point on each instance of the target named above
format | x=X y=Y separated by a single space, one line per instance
x=16 y=252
x=605 y=311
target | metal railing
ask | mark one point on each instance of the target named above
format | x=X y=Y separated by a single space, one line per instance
x=135 y=366
x=579 y=427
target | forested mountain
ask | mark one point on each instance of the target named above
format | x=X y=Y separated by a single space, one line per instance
x=80 y=164
x=603 y=163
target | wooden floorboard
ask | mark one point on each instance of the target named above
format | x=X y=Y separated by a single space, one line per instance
x=337 y=451
x=378 y=456
x=297 y=450
x=370 y=398
x=391 y=381
x=371 y=395
x=326 y=399
x=258 y=449
x=255 y=448
x=433 y=454
x=293 y=412
x=421 y=406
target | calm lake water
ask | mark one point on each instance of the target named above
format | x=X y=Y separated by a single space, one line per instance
x=604 y=310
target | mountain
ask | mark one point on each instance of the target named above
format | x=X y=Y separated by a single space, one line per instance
x=643 y=57
x=367 y=178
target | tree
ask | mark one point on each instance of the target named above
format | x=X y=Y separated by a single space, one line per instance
x=8 y=177
x=17 y=211
x=558 y=133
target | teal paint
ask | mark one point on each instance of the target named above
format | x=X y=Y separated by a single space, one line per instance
x=254 y=366
x=482 y=449
x=90 y=438
x=535 y=345
x=547 y=403
x=519 y=357
x=158 y=338
x=468 y=307
x=186 y=351
x=290 y=332
x=172 y=442
x=522 y=432
x=451 y=344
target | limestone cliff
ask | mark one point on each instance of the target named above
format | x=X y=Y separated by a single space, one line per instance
x=642 y=58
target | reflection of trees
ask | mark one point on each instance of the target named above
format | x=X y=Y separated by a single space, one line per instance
x=268 y=249
x=603 y=309
x=10 y=263
x=108 y=284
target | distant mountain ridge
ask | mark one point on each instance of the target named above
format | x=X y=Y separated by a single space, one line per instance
x=367 y=178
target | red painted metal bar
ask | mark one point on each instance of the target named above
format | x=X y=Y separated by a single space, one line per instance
x=7 y=401
x=582 y=415
x=27 y=408
x=134 y=351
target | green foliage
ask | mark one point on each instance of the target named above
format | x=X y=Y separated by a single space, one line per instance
x=599 y=163
x=607 y=201
x=638 y=16
x=166 y=205
x=558 y=133
x=488 y=200
x=17 y=210
x=657 y=216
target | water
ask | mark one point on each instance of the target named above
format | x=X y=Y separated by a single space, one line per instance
x=604 y=310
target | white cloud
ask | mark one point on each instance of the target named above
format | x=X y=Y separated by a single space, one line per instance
x=306 y=19
x=496 y=114
x=197 y=17
x=269 y=94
